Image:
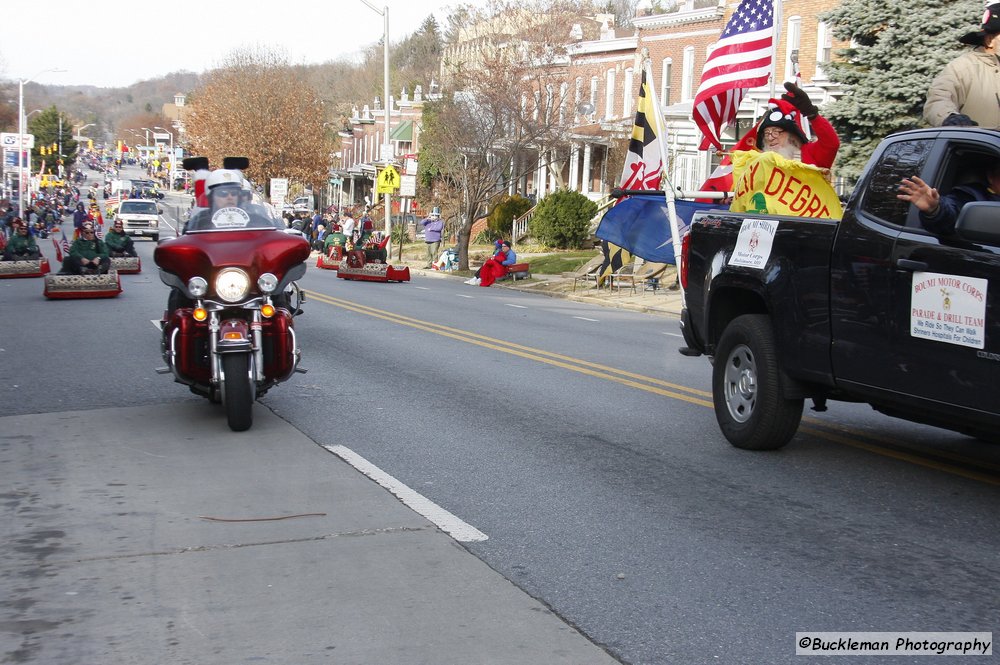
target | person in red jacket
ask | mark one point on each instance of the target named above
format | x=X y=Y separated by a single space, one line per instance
x=821 y=152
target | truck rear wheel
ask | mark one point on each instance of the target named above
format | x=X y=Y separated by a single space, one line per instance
x=746 y=387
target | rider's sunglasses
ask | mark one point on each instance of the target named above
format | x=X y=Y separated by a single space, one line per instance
x=227 y=192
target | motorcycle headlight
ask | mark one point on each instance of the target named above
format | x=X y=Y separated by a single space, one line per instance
x=197 y=286
x=232 y=284
x=267 y=283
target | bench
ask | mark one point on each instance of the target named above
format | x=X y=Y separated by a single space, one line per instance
x=517 y=271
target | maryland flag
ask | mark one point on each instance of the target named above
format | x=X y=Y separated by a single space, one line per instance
x=643 y=163
x=643 y=170
x=614 y=258
x=766 y=183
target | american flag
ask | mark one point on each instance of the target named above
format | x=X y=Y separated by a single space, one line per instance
x=740 y=60
x=65 y=247
x=111 y=202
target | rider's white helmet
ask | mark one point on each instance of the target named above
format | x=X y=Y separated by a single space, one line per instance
x=223 y=177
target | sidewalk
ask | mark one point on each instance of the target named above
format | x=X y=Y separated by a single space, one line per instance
x=153 y=534
x=661 y=301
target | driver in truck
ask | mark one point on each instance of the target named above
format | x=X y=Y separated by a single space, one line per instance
x=939 y=213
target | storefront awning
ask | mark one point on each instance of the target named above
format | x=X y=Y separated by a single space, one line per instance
x=402 y=132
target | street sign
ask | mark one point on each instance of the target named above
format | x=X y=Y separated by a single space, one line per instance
x=408 y=186
x=388 y=180
x=336 y=182
x=279 y=190
x=9 y=140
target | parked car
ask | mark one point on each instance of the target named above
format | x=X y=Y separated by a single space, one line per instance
x=300 y=204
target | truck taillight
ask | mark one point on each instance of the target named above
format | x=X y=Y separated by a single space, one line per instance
x=685 y=254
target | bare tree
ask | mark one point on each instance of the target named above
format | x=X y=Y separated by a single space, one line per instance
x=509 y=98
x=255 y=106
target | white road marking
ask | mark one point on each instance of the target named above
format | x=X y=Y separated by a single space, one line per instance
x=673 y=334
x=447 y=522
x=156 y=324
x=513 y=305
x=422 y=288
x=583 y=318
x=462 y=295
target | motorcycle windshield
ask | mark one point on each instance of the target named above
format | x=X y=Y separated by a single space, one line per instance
x=251 y=216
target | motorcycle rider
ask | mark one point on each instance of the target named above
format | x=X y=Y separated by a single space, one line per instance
x=223 y=189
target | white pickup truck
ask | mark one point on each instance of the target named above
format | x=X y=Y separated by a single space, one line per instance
x=140 y=217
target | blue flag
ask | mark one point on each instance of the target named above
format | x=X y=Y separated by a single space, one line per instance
x=640 y=224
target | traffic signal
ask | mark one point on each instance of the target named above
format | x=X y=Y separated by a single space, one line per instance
x=55 y=146
x=42 y=151
x=90 y=144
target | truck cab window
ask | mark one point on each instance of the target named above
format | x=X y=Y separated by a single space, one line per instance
x=899 y=161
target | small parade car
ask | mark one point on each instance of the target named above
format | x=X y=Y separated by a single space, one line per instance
x=27 y=268
x=62 y=286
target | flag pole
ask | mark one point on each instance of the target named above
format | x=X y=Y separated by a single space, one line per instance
x=668 y=189
x=778 y=18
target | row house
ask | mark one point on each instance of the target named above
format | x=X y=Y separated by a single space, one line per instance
x=362 y=141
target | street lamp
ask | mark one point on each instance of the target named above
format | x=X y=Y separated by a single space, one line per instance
x=173 y=159
x=79 y=132
x=28 y=114
x=20 y=136
x=386 y=146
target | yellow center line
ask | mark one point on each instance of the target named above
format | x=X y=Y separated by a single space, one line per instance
x=556 y=359
x=658 y=387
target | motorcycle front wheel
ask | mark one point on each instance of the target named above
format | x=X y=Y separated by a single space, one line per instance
x=238 y=391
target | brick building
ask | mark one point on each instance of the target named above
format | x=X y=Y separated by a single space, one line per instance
x=600 y=78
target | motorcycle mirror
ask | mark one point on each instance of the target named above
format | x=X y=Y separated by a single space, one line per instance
x=195 y=163
x=240 y=163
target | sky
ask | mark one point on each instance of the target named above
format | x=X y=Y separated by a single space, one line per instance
x=115 y=43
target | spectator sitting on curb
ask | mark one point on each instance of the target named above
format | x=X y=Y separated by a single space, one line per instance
x=496 y=267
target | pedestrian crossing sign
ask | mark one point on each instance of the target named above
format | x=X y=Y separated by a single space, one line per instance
x=388 y=180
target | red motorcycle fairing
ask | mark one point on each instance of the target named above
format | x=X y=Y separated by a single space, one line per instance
x=192 y=348
x=189 y=341
x=257 y=251
x=279 y=359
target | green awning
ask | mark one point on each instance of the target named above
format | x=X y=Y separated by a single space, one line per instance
x=403 y=132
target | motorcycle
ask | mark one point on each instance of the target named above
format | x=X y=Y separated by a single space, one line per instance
x=228 y=330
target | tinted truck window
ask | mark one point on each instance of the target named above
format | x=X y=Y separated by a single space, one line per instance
x=899 y=161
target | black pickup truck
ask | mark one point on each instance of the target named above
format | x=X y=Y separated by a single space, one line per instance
x=871 y=308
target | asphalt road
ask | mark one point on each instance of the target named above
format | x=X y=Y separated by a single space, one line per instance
x=575 y=438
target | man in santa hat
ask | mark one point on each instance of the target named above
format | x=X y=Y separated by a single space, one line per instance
x=794 y=106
